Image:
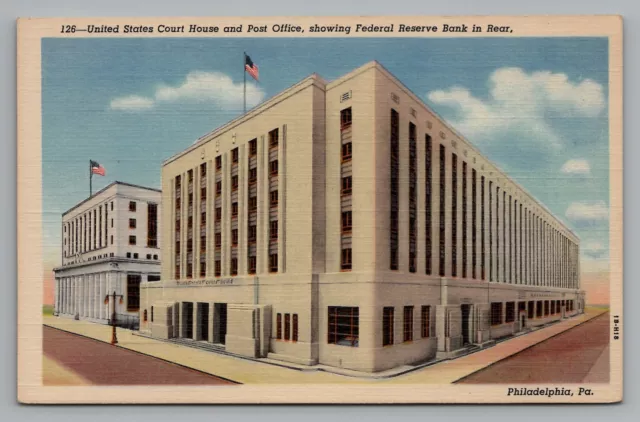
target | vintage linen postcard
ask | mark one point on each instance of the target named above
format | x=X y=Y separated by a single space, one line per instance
x=320 y=210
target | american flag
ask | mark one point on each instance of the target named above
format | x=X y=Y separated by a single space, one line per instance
x=250 y=67
x=96 y=168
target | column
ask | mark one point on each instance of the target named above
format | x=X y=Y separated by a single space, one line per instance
x=282 y=202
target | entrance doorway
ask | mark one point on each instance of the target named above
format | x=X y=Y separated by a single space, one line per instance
x=466 y=313
x=187 y=317
x=220 y=327
x=203 y=321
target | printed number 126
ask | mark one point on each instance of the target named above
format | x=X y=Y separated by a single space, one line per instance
x=68 y=29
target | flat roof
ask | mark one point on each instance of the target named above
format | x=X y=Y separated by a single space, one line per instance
x=117 y=182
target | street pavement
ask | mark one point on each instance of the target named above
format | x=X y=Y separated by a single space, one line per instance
x=248 y=371
x=574 y=356
x=100 y=363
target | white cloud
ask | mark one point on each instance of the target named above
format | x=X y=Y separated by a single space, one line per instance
x=197 y=87
x=519 y=104
x=131 y=103
x=576 y=166
x=591 y=211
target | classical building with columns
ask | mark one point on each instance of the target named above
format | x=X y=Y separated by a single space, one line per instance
x=344 y=223
x=110 y=243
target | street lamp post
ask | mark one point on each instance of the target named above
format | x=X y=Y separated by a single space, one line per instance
x=114 y=338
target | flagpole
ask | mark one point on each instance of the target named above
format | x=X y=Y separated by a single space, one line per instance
x=90 y=180
x=244 y=78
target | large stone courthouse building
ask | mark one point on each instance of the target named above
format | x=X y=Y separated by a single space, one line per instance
x=344 y=223
x=110 y=242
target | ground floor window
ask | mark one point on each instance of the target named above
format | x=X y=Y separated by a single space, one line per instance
x=294 y=331
x=344 y=325
x=496 y=313
x=510 y=312
x=408 y=323
x=531 y=309
x=425 y=317
x=387 y=326
x=287 y=326
x=279 y=327
x=539 y=309
x=133 y=292
x=546 y=307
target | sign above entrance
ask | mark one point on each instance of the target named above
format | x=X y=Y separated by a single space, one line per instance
x=216 y=282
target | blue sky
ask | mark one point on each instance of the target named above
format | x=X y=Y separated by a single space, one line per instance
x=537 y=107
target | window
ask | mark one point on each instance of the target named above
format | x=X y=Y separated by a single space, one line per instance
x=252 y=265
x=234 y=155
x=483 y=274
x=253 y=175
x=346 y=185
x=531 y=309
x=253 y=203
x=218 y=240
x=203 y=194
x=394 y=178
x=454 y=215
x=345 y=118
x=346 y=259
x=273 y=230
x=273 y=138
x=132 y=206
x=279 y=327
x=135 y=255
x=132 y=223
x=346 y=222
x=387 y=326
x=132 y=240
x=442 y=212
x=234 y=237
x=152 y=225
x=273 y=198
x=144 y=316
x=346 y=151
x=234 y=266
x=219 y=213
x=218 y=268
x=177 y=272
x=203 y=170
x=294 y=331
x=287 y=326
x=425 y=319
x=112 y=239
x=253 y=233
x=253 y=147
x=152 y=277
x=408 y=323
x=510 y=312
x=152 y=314
x=218 y=162
x=273 y=167
x=546 y=307
x=155 y=257
x=203 y=244
x=539 y=309
x=496 y=313
x=148 y=256
x=427 y=159
x=273 y=263
x=112 y=207
x=218 y=188
x=190 y=175
x=203 y=219
x=234 y=183
x=133 y=292
x=343 y=329
x=234 y=210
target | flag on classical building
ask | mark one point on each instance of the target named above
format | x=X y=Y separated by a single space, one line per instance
x=96 y=168
x=250 y=67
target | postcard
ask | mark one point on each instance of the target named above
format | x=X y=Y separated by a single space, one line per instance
x=413 y=209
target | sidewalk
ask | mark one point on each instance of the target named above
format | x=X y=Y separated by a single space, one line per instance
x=247 y=371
